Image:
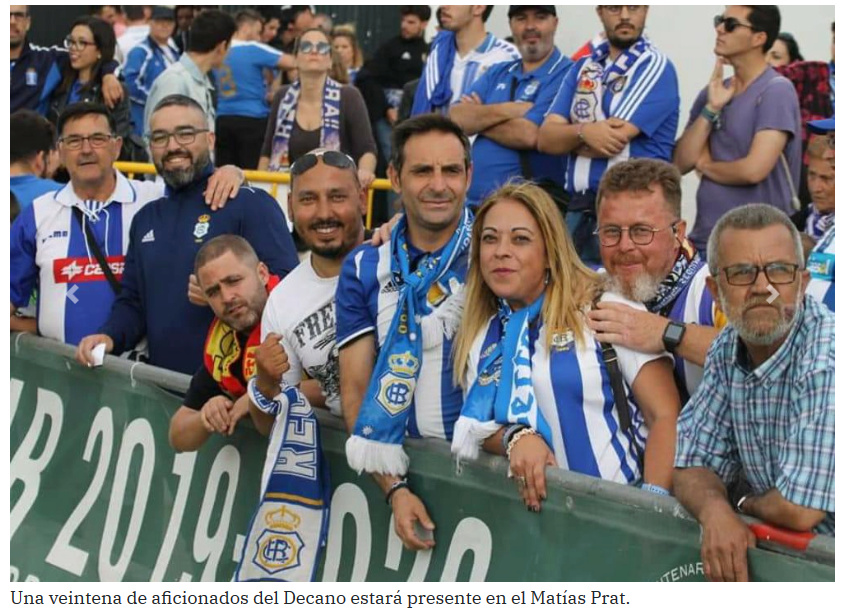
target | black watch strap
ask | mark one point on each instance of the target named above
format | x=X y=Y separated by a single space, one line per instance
x=673 y=334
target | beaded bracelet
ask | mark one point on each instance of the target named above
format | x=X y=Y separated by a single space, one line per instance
x=517 y=437
x=508 y=432
x=655 y=489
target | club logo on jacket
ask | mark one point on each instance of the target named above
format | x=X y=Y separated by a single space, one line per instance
x=201 y=229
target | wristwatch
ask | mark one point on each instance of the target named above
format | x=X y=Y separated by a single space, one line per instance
x=673 y=334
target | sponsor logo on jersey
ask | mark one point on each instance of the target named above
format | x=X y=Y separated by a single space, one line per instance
x=82 y=269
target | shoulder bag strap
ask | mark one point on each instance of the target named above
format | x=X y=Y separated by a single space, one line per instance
x=610 y=358
x=95 y=249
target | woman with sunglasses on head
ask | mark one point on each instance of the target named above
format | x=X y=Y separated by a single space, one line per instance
x=90 y=46
x=540 y=389
x=318 y=112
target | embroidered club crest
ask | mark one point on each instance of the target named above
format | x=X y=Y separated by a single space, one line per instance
x=202 y=226
x=532 y=88
x=562 y=342
x=279 y=546
x=397 y=384
x=618 y=85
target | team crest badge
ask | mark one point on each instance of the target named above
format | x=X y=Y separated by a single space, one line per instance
x=202 y=226
x=562 y=342
x=396 y=386
x=279 y=546
x=532 y=87
x=618 y=85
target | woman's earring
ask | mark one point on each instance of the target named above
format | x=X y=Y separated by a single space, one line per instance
x=547 y=276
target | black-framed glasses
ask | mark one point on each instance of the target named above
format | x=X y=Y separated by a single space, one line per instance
x=746 y=275
x=730 y=24
x=183 y=136
x=308 y=46
x=74 y=143
x=617 y=9
x=335 y=159
x=19 y=15
x=78 y=43
x=640 y=235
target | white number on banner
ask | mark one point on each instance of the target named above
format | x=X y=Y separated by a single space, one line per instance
x=348 y=499
x=138 y=434
x=471 y=535
x=183 y=468
x=24 y=466
x=63 y=554
x=208 y=547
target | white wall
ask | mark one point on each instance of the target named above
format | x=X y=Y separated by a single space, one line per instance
x=686 y=35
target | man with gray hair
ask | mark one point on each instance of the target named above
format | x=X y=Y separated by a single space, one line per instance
x=167 y=234
x=766 y=403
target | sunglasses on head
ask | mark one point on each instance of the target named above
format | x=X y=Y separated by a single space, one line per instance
x=335 y=159
x=730 y=24
x=308 y=46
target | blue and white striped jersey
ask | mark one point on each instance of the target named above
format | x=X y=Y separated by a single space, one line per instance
x=466 y=70
x=367 y=296
x=647 y=96
x=574 y=394
x=821 y=266
x=49 y=249
x=240 y=81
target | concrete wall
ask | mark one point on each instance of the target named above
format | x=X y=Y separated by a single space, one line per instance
x=686 y=35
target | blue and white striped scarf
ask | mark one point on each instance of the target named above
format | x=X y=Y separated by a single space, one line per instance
x=377 y=443
x=286 y=535
x=434 y=91
x=329 y=137
x=503 y=391
x=817 y=224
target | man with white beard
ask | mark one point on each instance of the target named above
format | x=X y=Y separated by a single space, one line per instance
x=648 y=259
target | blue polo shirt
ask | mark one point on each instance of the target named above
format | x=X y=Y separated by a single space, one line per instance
x=494 y=163
x=28 y=187
x=240 y=81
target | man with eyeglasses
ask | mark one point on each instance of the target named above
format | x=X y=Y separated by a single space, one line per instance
x=37 y=71
x=765 y=407
x=649 y=260
x=208 y=44
x=71 y=243
x=167 y=234
x=743 y=135
x=619 y=102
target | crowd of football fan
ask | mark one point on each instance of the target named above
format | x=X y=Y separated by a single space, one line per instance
x=537 y=293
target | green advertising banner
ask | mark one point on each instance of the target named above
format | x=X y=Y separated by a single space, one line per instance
x=97 y=494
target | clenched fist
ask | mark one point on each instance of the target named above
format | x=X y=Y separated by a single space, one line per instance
x=272 y=363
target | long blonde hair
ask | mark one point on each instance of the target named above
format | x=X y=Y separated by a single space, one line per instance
x=571 y=285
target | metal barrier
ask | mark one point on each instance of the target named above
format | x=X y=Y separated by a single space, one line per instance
x=97 y=494
x=130 y=168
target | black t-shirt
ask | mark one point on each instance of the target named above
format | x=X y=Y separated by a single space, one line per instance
x=399 y=61
x=203 y=386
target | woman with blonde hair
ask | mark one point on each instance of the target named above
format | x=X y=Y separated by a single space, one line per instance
x=540 y=389
x=348 y=50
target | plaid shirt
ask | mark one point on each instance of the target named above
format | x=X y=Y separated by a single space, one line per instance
x=775 y=421
x=814 y=82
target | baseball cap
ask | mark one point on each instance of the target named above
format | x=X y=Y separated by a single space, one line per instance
x=515 y=9
x=821 y=126
x=163 y=13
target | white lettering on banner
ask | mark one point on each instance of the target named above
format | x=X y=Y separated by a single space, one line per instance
x=471 y=535
x=348 y=499
x=182 y=467
x=137 y=434
x=63 y=554
x=302 y=464
x=27 y=468
x=208 y=547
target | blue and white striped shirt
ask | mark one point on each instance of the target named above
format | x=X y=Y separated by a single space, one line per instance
x=466 y=70
x=367 y=296
x=776 y=421
x=574 y=395
x=821 y=266
x=647 y=96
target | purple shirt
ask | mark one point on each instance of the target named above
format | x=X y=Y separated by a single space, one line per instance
x=770 y=102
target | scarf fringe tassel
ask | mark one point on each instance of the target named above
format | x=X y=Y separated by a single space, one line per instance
x=469 y=435
x=376 y=456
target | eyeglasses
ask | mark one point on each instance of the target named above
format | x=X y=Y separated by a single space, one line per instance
x=78 y=43
x=830 y=138
x=74 y=143
x=307 y=46
x=746 y=275
x=335 y=159
x=18 y=15
x=730 y=24
x=641 y=235
x=183 y=136
x=617 y=9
